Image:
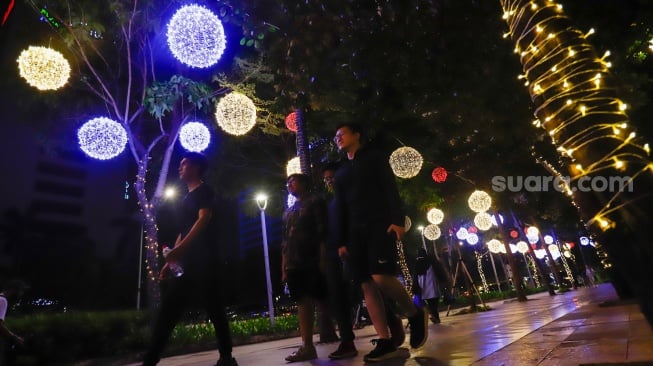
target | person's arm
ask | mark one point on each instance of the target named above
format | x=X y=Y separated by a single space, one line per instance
x=9 y=335
x=283 y=262
x=203 y=219
x=340 y=225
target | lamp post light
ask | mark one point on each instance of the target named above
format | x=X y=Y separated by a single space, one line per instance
x=262 y=202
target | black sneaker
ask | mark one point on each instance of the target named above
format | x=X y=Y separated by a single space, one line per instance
x=345 y=350
x=384 y=350
x=418 y=328
x=227 y=361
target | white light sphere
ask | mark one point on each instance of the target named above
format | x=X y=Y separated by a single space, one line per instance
x=584 y=240
x=432 y=232
x=406 y=162
x=293 y=166
x=408 y=223
x=290 y=201
x=194 y=136
x=236 y=114
x=532 y=231
x=43 y=68
x=479 y=201
x=554 y=250
x=567 y=254
x=462 y=233
x=196 y=36
x=540 y=253
x=548 y=239
x=494 y=246
x=435 y=216
x=472 y=239
x=522 y=247
x=102 y=138
x=483 y=221
x=532 y=238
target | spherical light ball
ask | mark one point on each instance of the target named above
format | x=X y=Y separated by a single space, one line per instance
x=43 y=68
x=432 y=232
x=294 y=166
x=194 y=136
x=584 y=241
x=479 y=201
x=408 y=223
x=540 y=253
x=290 y=201
x=435 y=216
x=236 y=114
x=196 y=36
x=494 y=246
x=522 y=247
x=462 y=233
x=555 y=251
x=291 y=121
x=406 y=162
x=514 y=233
x=483 y=221
x=548 y=239
x=472 y=239
x=532 y=231
x=439 y=174
x=532 y=238
x=102 y=138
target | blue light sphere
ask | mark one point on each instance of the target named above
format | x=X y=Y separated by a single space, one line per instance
x=194 y=136
x=102 y=138
x=196 y=36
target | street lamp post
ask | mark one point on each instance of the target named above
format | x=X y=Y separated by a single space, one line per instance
x=262 y=202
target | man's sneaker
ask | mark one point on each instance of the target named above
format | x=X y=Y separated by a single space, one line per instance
x=397 y=332
x=302 y=354
x=384 y=350
x=345 y=350
x=227 y=361
x=418 y=328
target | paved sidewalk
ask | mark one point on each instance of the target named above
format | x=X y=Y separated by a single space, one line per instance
x=567 y=329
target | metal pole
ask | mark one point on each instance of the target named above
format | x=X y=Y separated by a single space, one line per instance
x=140 y=271
x=494 y=268
x=267 y=267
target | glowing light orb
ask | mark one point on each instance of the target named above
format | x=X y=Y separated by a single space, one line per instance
x=532 y=238
x=495 y=246
x=236 y=114
x=194 y=136
x=522 y=247
x=406 y=162
x=548 y=239
x=196 y=36
x=293 y=166
x=290 y=201
x=479 y=201
x=408 y=223
x=584 y=241
x=432 y=232
x=439 y=175
x=532 y=231
x=472 y=239
x=540 y=253
x=462 y=233
x=291 y=121
x=102 y=138
x=43 y=68
x=514 y=233
x=435 y=216
x=483 y=221
x=555 y=251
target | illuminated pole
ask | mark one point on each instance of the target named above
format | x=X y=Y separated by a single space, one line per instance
x=494 y=268
x=140 y=270
x=262 y=202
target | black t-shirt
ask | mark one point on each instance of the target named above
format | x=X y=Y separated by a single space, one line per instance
x=202 y=251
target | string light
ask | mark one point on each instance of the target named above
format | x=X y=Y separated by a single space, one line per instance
x=479 y=201
x=581 y=113
x=236 y=114
x=536 y=274
x=565 y=264
x=432 y=232
x=405 y=271
x=196 y=36
x=483 y=221
x=406 y=162
x=293 y=166
x=435 y=216
x=43 y=68
x=194 y=136
x=479 y=265
x=102 y=138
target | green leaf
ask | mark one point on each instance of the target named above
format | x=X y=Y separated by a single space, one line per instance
x=250 y=43
x=243 y=41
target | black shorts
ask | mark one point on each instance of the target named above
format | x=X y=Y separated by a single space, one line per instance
x=306 y=282
x=372 y=250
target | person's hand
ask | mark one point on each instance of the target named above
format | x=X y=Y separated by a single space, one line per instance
x=342 y=252
x=398 y=230
x=163 y=274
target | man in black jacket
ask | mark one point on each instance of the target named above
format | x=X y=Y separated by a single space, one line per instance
x=371 y=220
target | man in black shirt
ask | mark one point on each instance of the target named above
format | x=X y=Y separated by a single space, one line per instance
x=196 y=252
x=371 y=220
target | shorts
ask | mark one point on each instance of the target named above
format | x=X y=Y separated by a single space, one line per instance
x=306 y=282
x=372 y=250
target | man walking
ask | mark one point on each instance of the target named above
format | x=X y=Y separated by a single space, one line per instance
x=372 y=220
x=196 y=252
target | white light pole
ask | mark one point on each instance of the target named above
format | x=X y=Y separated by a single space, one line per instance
x=262 y=202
